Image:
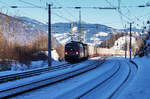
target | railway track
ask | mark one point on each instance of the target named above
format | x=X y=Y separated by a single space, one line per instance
x=113 y=95
x=31 y=73
x=99 y=84
x=116 y=91
x=22 y=87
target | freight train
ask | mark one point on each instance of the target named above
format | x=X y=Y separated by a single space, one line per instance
x=78 y=51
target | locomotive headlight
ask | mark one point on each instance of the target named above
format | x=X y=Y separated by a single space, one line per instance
x=66 y=53
x=77 y=53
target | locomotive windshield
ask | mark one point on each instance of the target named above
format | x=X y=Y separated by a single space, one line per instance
x=72 y=47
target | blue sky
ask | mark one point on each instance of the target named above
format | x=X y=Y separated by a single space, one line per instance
x=108 y=17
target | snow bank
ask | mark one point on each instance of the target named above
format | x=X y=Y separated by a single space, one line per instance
x=16 y=66
x=140 y=87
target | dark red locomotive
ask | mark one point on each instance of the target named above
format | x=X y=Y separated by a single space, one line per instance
x=76 y=51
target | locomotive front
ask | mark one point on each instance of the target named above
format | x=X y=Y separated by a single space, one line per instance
x=72 y=52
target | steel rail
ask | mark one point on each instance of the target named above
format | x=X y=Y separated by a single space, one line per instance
x=117 y=89
x=31 y=73
x=125 y=80
x=99 y=84
x=50 y=80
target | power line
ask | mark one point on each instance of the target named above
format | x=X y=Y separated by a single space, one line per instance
x=60 y=12
x=119 y=11
x=67 y=11
x=62 y=17
x=119 y=1
x=109 y=3
x=118 y=8
x=36 y=6
x=31 y=4
x=46 y=9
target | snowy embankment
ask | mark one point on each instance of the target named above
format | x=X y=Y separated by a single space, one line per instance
x=139 y=87
x=35 y=65
x=74 y=87
x=111 y=86
x=36 y=81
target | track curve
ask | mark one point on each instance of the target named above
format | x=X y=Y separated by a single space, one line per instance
x=116 y=89
x=15 y=89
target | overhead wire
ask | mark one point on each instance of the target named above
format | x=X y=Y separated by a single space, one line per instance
x=122 y=16
x=119 y=1
x=62 y=17
x=30 y=4
x=56 y=14
x=118 y=9
x=67 y=11
x=41 y=7
x=143 y=17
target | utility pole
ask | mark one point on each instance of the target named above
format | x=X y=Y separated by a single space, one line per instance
x=148 y=22
x=84 y=37
x=125 y=46
x=80 y=31
x=97 y=28
x=125 y=43
x=71 y=31
x=49 y=35
x=130 y=40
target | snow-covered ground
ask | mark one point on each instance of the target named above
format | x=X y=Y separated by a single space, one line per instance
x=139 y=88
x=30 y=82
x=122 y=40
x=17 y=67
x=71 y=88
x=74 y=86
x=38 y=64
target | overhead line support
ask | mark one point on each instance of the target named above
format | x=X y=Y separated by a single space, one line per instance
x=49 y=35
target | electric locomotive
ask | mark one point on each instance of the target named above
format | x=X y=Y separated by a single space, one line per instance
x=76 y=51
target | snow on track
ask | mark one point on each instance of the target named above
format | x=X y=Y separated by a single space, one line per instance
x=140 y=86
x=106 y=89
x=69 y=88
x=21 y=85
x=117 y=70
x=127 y=81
